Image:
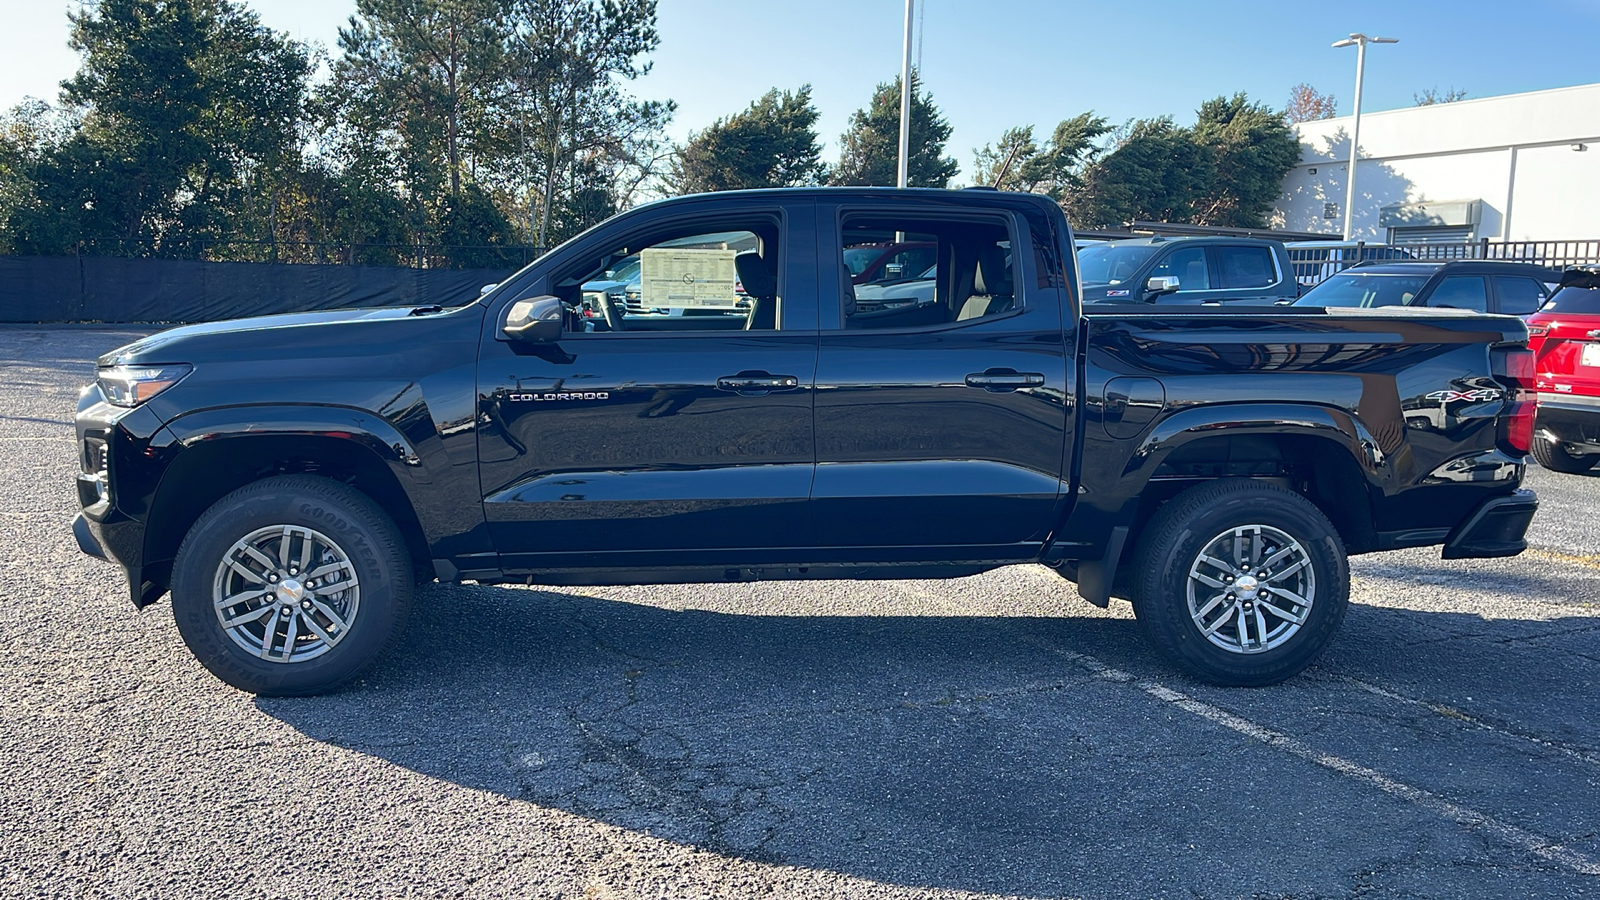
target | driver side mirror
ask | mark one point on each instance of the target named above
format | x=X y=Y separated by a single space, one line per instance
x=1161 y=285
x=537 y=320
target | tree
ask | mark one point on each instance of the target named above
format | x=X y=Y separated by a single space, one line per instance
x=1307 y=104
x=1017 y=163
x=423 y=73
x=870 y=149
x=1157 y=174
x=182 y=106
x=1000 y=165
x=773 y=143
x=28 y=135
x=1251 y=148
x=1226 y=170
x=582 y=137
x=1432 y=96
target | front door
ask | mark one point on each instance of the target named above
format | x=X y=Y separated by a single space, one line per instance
x=669 y=427
x=943 y=403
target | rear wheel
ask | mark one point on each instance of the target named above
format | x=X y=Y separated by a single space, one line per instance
x=291 y=585
x=1242 y=583
x=1551 y=455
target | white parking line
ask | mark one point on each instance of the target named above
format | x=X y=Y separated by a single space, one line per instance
x=1537 y=844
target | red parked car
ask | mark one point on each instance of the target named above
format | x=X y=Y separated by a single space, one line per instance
x=1565 y=338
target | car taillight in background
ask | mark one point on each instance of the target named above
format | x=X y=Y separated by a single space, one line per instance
x=1513 y=367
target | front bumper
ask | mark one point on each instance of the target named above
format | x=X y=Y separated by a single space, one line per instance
x=1496 y=528
x=113 y=484
x=1569 y=419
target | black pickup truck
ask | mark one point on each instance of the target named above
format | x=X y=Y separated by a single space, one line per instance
x=1192 y=271
x=290 y=479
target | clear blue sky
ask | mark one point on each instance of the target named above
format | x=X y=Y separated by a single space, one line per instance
x=991 y=65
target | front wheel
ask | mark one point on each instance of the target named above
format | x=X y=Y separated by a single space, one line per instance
x=291 y=585
x=1240 y=582
x=1555 y=457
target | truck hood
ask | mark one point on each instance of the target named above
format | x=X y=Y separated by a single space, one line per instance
x=264 y=334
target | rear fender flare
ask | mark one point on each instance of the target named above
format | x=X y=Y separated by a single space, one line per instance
x=1186 y=426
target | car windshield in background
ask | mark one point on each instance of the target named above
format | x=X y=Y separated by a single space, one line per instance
x=856 y=259
x=1584 y=301
x=1111 y=264
x=1364 y=289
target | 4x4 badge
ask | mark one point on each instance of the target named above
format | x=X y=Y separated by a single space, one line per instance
x=1477 y=395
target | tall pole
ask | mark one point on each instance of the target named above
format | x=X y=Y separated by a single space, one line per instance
x=1355 y=144
x=905 y=103
x=1360 y=41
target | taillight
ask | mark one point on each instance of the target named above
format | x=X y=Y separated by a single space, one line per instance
x=1513 y=367
x=1537 y=331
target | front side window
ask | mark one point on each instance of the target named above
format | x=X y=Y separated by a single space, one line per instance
x=1461 y=292
x=1103 y=264
x=699 y=279
x=943 y=271
x=1189 y=264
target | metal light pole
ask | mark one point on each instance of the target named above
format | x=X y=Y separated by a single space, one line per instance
x=1360 y=41
x=905 y=103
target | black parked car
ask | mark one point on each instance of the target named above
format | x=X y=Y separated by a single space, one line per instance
x=1481 y=285
x=1187 y=270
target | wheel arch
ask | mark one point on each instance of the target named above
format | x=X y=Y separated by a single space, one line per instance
x=1325 y=454
x=208 y=465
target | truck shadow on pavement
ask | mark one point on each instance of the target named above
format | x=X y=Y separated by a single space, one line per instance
x=968 y=752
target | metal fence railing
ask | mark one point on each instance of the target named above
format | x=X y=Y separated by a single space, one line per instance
x=413 y=256
x=1312 y=265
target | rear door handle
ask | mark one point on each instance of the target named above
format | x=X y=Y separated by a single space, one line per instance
x=998 y=380
x=755 y=384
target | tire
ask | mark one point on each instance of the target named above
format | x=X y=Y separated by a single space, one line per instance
x=1269 y=522
x=324 y=634
x=1551 y=455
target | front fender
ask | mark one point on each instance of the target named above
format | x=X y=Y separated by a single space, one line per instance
x=438 y=510
x=344 y=423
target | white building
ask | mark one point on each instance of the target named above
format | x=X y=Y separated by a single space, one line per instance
x=1522 y=167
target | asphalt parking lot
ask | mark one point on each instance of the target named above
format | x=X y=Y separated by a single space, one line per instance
x=986 y=736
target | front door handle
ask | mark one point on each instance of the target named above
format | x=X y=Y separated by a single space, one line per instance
x=998 y=380
x=1595 y=333
x=756 y=384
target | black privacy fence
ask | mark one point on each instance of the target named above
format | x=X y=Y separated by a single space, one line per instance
x=118 y=289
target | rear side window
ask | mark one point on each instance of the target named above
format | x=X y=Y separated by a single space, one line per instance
x=1246 y=267
x=1519 y=296
x=1575 y=300
x=1189 y=264
x=1461 y=292
x=947 y=270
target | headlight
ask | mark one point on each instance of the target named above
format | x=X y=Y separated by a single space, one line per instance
x=133 y=385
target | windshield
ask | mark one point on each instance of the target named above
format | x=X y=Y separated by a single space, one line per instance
x=1364 y=289
x=627 y=273
x=856 y=259
x=1110 y=263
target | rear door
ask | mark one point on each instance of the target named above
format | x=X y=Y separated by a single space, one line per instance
x=943 y=417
